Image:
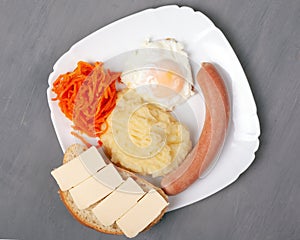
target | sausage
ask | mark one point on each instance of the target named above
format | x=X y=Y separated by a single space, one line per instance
x=212 y=136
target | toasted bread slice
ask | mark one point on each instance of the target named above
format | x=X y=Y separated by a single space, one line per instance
x=86 y=216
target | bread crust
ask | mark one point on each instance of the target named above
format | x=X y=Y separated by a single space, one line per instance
x=72 y=152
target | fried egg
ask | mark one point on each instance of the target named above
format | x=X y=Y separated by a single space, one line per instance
x=160 y=71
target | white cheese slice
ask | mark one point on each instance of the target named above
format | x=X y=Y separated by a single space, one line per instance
x=96 y=187
x=142 y=214
x=118 y=202
x=79 y=169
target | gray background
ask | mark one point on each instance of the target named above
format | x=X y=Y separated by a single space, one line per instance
x=262 y=204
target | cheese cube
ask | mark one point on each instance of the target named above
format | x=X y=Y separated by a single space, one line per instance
x=79 y=169
x=118 y=202
x=96 y=187
x=142 y=214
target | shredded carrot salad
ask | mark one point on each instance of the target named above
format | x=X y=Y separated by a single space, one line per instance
x=87 y=96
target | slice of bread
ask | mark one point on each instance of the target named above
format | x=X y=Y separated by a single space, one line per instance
x=86 y=216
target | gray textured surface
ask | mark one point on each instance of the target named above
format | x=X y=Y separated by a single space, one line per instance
x=262 y=204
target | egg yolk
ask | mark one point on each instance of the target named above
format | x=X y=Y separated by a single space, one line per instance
x=169 y=83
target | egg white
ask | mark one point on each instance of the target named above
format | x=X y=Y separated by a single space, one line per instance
x=163 y=58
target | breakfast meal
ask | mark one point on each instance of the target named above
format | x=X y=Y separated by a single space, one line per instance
x=130 y=114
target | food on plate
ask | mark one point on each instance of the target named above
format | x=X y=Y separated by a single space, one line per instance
x=145 y=138
x=141 y=136
x=212 y=136
x=161 y=72
x=138 y=131
x=107 y=198
x=87 y=96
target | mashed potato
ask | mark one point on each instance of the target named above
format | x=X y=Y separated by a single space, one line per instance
x=143 y=137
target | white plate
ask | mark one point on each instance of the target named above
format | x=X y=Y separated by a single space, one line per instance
x=204 y=42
